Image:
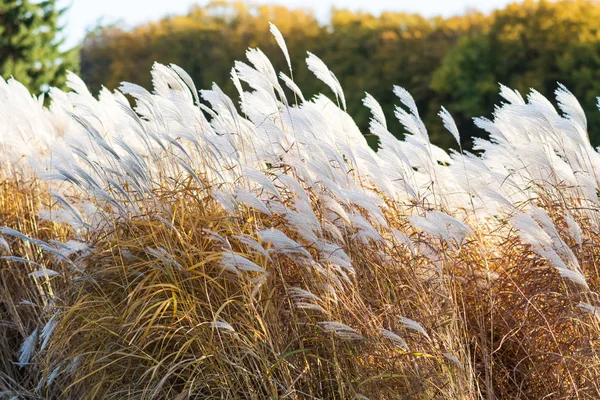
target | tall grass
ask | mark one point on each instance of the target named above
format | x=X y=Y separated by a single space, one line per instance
x=192 y=246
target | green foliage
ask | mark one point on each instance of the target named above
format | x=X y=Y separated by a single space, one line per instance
x=531 y=44
x=30 y=45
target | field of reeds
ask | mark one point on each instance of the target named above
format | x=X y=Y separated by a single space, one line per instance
x=182 y=244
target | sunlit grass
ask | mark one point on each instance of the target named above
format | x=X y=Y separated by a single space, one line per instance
x=268 y=252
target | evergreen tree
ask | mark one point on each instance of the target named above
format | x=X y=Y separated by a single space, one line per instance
x=30 y=45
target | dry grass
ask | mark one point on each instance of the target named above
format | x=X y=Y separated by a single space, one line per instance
x=24 y=301
x=155 y=323
x=251 y=258
x=135 y=325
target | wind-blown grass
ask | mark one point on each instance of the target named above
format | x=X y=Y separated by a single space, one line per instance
x=192 y=247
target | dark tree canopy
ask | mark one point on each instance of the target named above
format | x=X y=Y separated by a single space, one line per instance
x=534 y=44
x=30 y=45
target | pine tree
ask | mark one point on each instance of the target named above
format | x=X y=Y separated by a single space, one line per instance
x=30 y=44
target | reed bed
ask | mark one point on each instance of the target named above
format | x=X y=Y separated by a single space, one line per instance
x=182 y=244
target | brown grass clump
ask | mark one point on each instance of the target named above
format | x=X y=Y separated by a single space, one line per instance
x=531 y=336
x=25 y=301
x=157 y=316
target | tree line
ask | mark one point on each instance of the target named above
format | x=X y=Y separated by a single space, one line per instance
x=457 y=62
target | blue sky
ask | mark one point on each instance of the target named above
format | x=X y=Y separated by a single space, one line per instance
x=85 y=13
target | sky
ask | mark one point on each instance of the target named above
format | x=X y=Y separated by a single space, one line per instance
x=84 y=14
